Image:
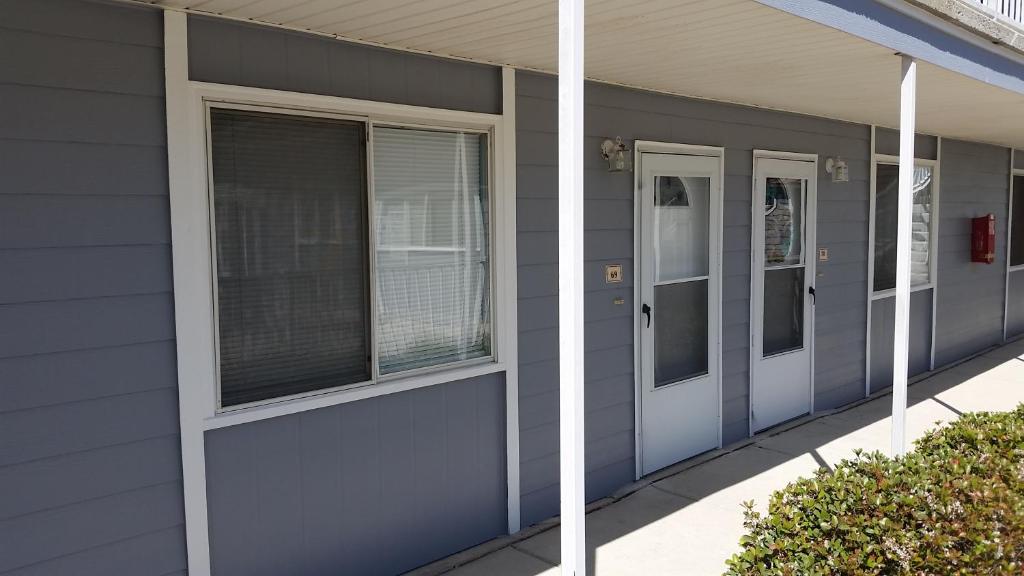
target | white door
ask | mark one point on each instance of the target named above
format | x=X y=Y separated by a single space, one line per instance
x=679 y=278
x=783 y=290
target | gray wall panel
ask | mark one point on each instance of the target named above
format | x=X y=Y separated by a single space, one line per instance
x=377 y=486
x=969 y=315
x=883 y=327
x=608 y=219
x=88 y=397
x=51 y=167
x=887 y=141
x=161 y=552
x=1018 y=159
x=237 y=53
x=1015 y=305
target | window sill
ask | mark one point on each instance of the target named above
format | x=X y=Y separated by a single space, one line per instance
x=889 y=293
x=352 y=393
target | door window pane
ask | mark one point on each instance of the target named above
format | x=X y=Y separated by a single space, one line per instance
x=784 y=221
x=783 y=310
x=431 y=225
x=680 y=331
x=681 y=218
x=290 y=221
x=1017 y=223
x=886 y=222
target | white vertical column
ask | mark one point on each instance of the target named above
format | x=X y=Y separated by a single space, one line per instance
x=570 y=282
x=187 y=186
x=901 y=341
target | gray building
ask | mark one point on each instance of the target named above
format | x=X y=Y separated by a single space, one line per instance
x=279 y=288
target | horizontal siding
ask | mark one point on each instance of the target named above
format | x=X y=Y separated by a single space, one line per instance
x=88 y=397
x=971 y=296
x=887 y=141
x=231 y=52
x=608 y=238
x=377 y=486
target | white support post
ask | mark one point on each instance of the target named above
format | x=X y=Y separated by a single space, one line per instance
x=570 y=283
x=901 y=341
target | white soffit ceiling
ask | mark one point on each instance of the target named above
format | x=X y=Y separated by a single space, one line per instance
x=729 y=50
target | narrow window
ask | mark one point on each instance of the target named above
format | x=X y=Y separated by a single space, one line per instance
x=1017 y=223
x=886 y=222
x=431 y=222
x=290 y=216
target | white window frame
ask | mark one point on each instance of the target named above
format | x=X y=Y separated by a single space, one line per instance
x=369 y=123
x=197 y=264
x=192 y=257
x=1010 y=268
x=933 y=270
x=1009 y=223
x=933 y=235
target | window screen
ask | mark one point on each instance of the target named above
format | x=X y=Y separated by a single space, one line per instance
x=291 y=254
x=1017 y=223
x=432 y=257
x=886 y=222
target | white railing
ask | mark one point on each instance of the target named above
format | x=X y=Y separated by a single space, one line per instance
x=1010 y=9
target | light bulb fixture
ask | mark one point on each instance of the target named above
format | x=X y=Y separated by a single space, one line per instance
x=617 y=155
x=838 y=168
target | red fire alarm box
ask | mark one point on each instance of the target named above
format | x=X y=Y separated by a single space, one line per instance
x=983 y=239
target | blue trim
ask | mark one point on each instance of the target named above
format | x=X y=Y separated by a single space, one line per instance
x=904 y=33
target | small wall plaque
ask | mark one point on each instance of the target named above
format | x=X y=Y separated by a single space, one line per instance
x=822 y=254
x=613 y=273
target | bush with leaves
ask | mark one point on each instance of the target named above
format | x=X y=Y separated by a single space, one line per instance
x=955 y=505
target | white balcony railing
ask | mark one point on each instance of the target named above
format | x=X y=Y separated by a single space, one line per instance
x=1010 y=9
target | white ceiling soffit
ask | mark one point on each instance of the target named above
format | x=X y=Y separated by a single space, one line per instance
x=729 y=50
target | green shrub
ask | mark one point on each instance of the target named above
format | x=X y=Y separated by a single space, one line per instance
x=955 y=505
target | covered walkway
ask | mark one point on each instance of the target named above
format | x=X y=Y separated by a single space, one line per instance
x=688 y=519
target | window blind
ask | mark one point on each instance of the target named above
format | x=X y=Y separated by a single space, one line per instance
x=291 y=253
x=432 y=255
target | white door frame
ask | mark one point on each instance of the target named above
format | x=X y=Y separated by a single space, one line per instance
x=640 y=147
x=811 y=256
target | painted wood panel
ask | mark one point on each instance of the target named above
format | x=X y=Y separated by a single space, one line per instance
x=883 y=327
x=231 y=52
x=377 y=486
x=1015 y=303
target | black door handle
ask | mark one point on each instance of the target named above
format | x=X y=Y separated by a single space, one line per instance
x=814 y=299
x=646 y=311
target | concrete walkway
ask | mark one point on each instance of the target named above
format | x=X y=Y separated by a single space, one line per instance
x=688 y=520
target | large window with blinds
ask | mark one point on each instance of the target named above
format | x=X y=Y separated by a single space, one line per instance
x=333 y=269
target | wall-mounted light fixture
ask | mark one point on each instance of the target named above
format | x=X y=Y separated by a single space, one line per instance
x=617 y=155
x=838 y=169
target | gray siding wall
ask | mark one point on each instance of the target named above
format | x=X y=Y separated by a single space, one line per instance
x=378 y=486
x=975 y=181
x=610 y=112
x=887 y=141
x=883 y=333
x=1015 y=305
x=232 y=52
x=90 y=465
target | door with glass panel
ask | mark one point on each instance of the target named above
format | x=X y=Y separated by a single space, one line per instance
x=783 y=290
x=679 y=278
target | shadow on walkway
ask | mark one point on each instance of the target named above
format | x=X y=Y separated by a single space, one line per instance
x=688 y=519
